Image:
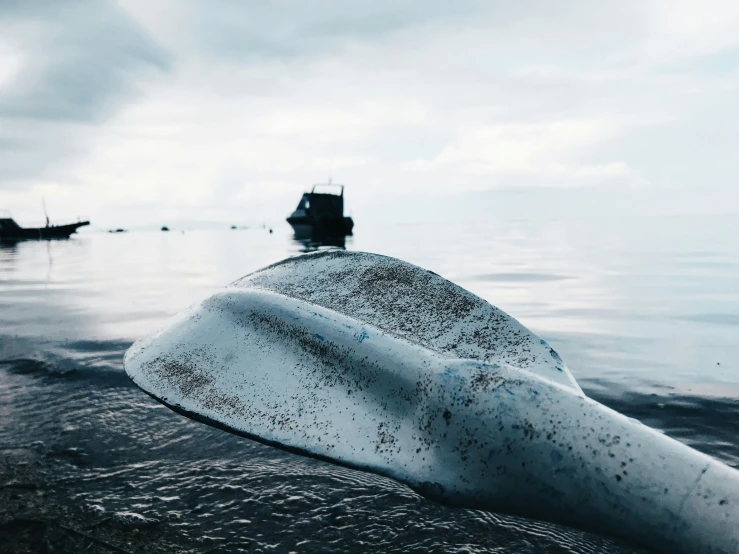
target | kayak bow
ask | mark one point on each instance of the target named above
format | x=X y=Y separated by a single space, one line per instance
x=376 y=364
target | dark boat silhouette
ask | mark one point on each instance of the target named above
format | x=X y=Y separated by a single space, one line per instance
x=10 y=230
x=320 y=212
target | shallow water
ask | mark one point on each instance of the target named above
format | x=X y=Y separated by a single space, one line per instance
x=645 y=313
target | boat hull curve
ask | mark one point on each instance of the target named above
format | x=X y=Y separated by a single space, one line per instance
x=15 y=233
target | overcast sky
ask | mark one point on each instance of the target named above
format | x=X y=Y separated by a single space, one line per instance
x=140 y=111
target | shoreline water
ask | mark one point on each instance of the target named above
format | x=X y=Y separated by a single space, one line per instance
x=75 y=479
x=60 y=492
x=645 y=326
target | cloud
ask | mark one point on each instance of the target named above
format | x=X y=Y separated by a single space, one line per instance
x=74 y=64
x=77 y=60
x=282 y=30
x=548 y=151
x=391 y=97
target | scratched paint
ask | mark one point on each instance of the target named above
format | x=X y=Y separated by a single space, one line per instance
x=373 y=363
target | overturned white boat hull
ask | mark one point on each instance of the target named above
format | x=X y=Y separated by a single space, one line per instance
x=373 y=363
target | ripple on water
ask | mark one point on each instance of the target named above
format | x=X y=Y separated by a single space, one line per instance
x=132 y=463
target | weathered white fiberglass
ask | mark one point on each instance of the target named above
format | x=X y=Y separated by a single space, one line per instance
x=377 y=364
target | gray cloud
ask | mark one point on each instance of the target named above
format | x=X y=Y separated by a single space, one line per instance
x=80 y=59
x=425 y=98
x=283 y=30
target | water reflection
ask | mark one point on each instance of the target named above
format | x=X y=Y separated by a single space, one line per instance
x=312 y=240
x=10 y=249
x=8 y=245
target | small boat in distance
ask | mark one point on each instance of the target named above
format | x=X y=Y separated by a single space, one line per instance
x=10 y=230
x=321 y=212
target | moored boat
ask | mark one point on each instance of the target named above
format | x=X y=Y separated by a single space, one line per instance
x=10 y=230
x=321 y=212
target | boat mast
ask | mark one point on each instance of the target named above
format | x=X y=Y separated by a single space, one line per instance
x=43 y=203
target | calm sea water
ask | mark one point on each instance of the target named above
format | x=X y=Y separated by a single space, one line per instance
x=644 y=311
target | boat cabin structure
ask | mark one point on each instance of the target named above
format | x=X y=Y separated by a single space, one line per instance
x=321 y=213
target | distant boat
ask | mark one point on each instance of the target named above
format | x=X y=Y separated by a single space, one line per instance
x=320 y=212
x=165 y=228
x=10 y=230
